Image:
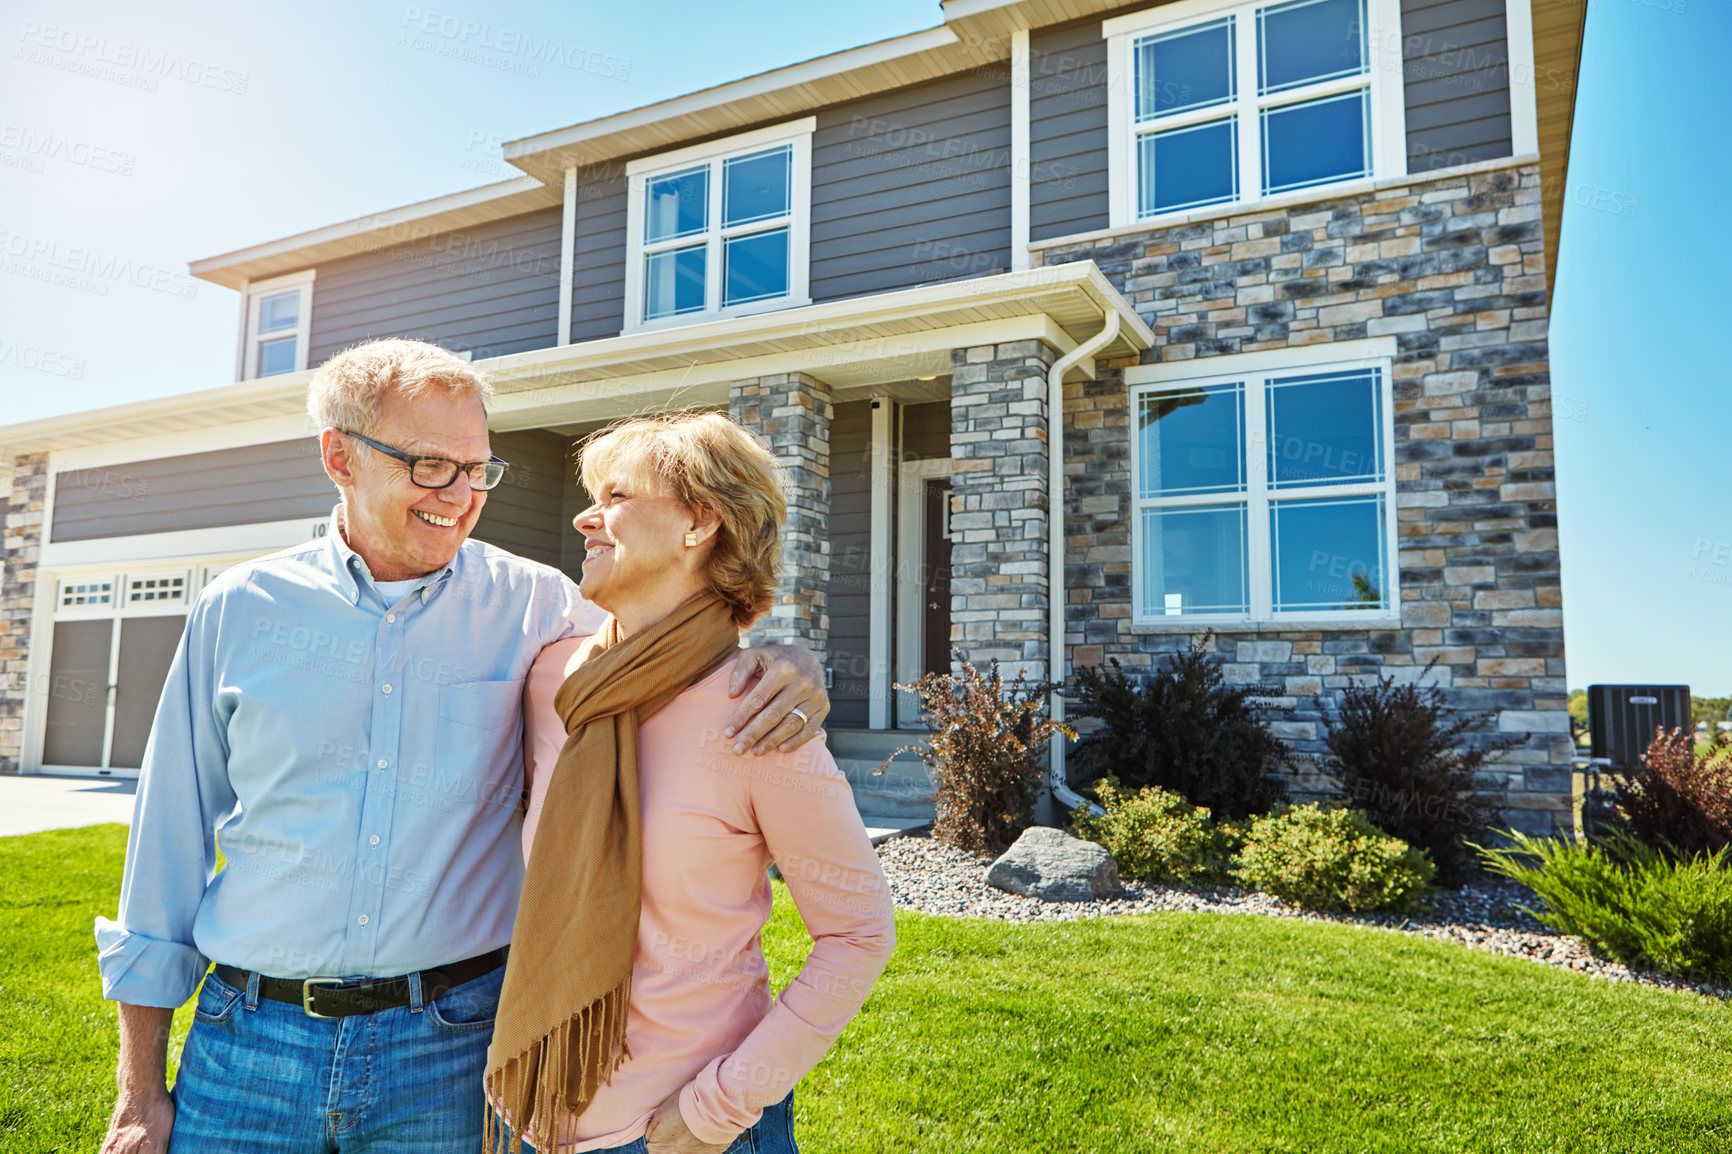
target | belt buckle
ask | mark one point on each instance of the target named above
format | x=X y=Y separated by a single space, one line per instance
x=307 y=995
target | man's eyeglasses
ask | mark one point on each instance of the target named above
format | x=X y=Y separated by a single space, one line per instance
x=437 y=472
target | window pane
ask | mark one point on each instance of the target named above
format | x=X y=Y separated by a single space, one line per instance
x=1191 y=442
x=756 y=187
x=1325 y=429
x=1187 y=167
x=1315 y=142
x=674 y=282
x=1194 y=561
x=677 y=205
x=1328 y=554
x=280 y=311
x=757 y=266
x=276 y=356
x=1188 y=69
x=1310 y=40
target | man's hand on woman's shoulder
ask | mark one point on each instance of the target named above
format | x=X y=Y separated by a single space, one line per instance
x=781 y=679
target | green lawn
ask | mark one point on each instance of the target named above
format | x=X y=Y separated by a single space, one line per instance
x=1190 y=1032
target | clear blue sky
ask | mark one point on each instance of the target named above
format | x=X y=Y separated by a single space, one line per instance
x=276 y=120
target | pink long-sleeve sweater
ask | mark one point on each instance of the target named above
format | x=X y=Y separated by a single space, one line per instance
x=702 y=1020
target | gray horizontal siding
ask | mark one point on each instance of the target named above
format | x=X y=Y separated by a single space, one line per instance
x=598 y=294
x=926 y=431
x=1455 y=68
x=275 y=482
x=493 y=289
x=848 y=596
x=1067 y=130
x=912 y=186
x=525 y=513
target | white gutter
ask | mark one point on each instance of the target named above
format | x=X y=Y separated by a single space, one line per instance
x=1055 y=591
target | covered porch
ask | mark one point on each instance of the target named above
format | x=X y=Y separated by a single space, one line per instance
x=914 y=427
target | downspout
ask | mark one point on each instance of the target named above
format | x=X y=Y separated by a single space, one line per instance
x=1055 y=591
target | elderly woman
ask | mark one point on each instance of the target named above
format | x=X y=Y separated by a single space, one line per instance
x=636 y=1013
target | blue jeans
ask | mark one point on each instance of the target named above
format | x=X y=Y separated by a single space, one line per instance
x=262 y=1077
x=773 y=1134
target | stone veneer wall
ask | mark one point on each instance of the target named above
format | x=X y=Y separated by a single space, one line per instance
x=1454 y=267
x=20 y=545
x=792 y=411
x=998 y=503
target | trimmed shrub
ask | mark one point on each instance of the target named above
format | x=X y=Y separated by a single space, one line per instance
x=1630 y=901
x=1398 y=755
x=1183 y=729
x=984 y=754
x=1675 y=801
x=1331 y=859
x=1157 y=836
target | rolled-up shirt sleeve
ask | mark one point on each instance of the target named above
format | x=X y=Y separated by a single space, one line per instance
x=146 y=954
x=814 y=832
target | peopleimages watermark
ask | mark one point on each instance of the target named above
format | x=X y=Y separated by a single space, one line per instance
x=86 y=269
x=1711 y=561
x=121 y=61
x=503 y=48
x=108 y=482
x=38 y=359
x=37 y=148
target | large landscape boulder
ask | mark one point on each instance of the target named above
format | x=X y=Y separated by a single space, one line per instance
x=1052 y=865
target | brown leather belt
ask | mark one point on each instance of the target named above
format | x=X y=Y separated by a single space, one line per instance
x=345 y=997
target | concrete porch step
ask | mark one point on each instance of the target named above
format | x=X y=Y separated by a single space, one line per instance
x=881 y=828
x=903 y=792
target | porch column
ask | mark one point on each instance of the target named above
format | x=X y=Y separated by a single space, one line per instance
x=20 y=545
x=998 y=502
x=792 y=412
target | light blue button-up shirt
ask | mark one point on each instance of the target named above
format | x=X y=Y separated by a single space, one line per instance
x=358 y=762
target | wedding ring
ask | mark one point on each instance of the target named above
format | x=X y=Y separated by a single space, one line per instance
x=801 y=714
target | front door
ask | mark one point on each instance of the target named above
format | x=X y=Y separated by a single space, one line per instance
x=936 y=575
x=922 y=580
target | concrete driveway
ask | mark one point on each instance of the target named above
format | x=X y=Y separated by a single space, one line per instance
x=32 y=802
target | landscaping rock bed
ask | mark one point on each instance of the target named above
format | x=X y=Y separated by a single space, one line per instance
x=936 y=879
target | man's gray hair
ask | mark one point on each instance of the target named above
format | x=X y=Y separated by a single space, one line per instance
x=349 y=389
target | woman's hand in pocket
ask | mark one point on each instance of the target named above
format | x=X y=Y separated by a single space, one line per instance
x=667 y=1132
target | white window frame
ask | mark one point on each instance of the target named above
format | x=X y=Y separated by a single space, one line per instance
x=1254 y=370
x=797 y=134
x=64 y=612
x=256 y=291
x=1383 y=77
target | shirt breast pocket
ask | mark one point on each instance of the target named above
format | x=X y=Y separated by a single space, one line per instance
x=480 y=738
x=479 y=705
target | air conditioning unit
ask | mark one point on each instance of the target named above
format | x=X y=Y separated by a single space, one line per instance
x=1622 y=719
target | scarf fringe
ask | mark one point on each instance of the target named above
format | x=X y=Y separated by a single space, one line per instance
x=590 y=1045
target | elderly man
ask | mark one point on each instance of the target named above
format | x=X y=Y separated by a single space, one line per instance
x=346 y=714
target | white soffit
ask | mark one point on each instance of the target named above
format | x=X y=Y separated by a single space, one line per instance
x=976 y=34
x=890 y=336
x=380 y=230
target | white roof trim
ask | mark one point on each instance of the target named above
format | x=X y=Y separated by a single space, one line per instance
x=975 y=32
x=414 y=222
x=895 y=329
x=774 y=80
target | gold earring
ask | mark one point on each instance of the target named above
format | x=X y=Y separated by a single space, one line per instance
x=692 y=539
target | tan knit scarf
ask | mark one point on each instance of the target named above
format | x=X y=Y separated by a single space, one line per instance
x=562 y=1013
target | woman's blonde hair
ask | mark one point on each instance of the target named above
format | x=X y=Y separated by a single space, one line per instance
x=349 y=389
x=704 y=460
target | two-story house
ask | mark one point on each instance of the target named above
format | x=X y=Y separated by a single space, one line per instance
x=1255 y=293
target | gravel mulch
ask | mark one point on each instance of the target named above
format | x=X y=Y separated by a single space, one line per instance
x=937 y=879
